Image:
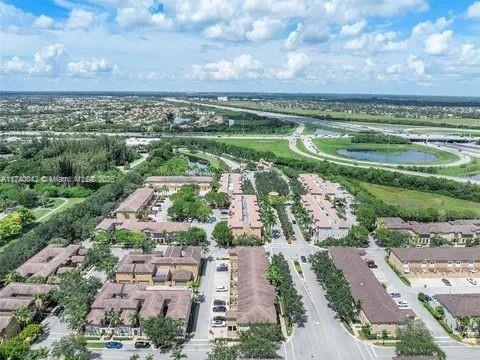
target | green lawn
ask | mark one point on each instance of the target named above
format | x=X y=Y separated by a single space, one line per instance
x=331 y=146
x=56 y=205
x=419 y=200
x=471 y=168
x=278 y=147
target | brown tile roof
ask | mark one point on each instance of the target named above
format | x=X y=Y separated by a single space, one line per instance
x=47 y=261
x=256 y=296
x=179 y=179
x=135 y=225
x=136 y=200
x=463 y=227
x=244 y=212
x=15 y=296
x=377 y=305
x=444 y=253
x=127 y=299
x=140 y=263
x=460 y=304
x=231 y=183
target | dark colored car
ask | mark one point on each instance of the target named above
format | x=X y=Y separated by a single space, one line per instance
x=57 y=311
x=113 y=345
x=219 y=318
x=142 y=345
x=446 y=282
x=222 y=267
x=219 y=309
x=303 y=258
x=219 y=303
x=371 y=264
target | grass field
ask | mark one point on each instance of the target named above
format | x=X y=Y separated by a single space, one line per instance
x=56 y=205
x=419 y=200
x=472 y=168
x=278 y=147
x=331 y=146
x=319 y=113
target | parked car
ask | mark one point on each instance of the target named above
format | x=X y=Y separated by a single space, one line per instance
x=113 y=345
x=219 y=303
x=428 y=298
x=294 y=222
x=472 y=281
x=402 y=304
x=219 y=309
x=222 y=267
x=394 y=294
x=57 y=310
x=221 y=289
x=371 y=264
x=142 y=345
x=303 y=258
x=446 y=282
x=219 y=318
x=219 y=323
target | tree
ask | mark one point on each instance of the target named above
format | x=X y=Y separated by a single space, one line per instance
x=194 y=236
x=135 y=357
x=463 y=325
x=71 y=347
x=113 y=318
x=415 y=340
x=177 y=354
x=223 y=352
x=28 y=198
x=13 y=276
x=267 y=216
x=476 y=324
x=161 y=330
x=384 y=335
x=260 y=341
x=24 y=315
x=100 y=255
x=222 y=234
x=149 y=357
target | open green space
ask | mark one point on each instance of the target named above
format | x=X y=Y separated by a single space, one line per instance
x=54 y=206
x=470 y=169
x=348 y=116
x=332 y=146
x=418 y=199
x=277 y=146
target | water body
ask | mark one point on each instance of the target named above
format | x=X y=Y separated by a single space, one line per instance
x=475 y=177
x=325 y=132
x=404 y=157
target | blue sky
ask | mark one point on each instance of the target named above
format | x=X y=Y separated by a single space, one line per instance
x=340 y=46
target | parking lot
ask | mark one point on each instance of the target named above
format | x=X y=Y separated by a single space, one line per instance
x=160 y=208
x=437 y=286
x=221 y=280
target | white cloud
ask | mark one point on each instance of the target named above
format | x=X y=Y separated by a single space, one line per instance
x=90 y=67
x=43 y=22
x=264 y=29
x=353 y=29
x=473 y=11
x=79 y=19
x=241 y=67
x=438 y=44
x=295 y=64
x=306 y=35
x=427 y=28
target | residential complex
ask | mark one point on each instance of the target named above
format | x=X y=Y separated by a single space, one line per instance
x=177 y=265
x=457 y=306
x=52 y=260
x=252 y=297
x=244 y=216
x=457 y=231
x=315 y=185
x=171 y=184
x=446 y=261
x=135 y=202
x=16 y=296
x=323 y=213
x=131 y=301
x=378 y=309
x=231 y=183
x=161 y=231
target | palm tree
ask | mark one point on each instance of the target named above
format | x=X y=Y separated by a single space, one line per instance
x=149 y=357
x=135 y=318
x=13 y=276
x=163 y=189
x=177 y=354
x=41 y=300
x=113 y=318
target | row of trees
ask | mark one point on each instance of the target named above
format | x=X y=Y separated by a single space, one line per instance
x=336 y=286
x=224 y=237
x=287 y=227
x=129 y=239
x=279 y=275
x=270 y=181
x=377 y=138
x=389 y=239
